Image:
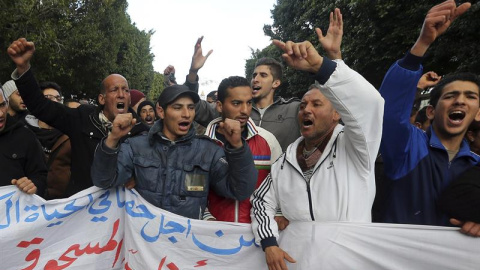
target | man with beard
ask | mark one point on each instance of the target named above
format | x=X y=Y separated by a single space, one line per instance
x=16 y=107
x=21 y=159
x=235 y=102
x=174 y=168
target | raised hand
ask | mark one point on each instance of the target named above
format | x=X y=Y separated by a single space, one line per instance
x=122 y=124
x=428 y=79
x=437 y=21
x=21 y=51
x=198 y=60
x=232 y=131
x=300 y=56
x=168 y=70
x=26 y=185
x=333 y=39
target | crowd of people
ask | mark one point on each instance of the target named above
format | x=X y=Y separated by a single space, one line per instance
x=261 y=159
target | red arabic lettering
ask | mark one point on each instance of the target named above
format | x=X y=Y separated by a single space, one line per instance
x=111 y=245
x=32 y=256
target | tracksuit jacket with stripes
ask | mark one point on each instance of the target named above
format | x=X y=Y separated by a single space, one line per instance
x=265 y=150
x=342 y=187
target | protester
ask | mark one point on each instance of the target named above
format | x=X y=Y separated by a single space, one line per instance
x=212 y=97
x=56 y=146
x=473 y=137
x=173 y=168
x=21 y=159
x=146 y=112
x=421 y=120
x=235 y=102
x=328 y=173
x=419 y=165
x=16 y=107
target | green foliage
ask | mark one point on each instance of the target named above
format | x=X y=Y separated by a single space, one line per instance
x=157 y=87
x=376 y=34
x=78 y=43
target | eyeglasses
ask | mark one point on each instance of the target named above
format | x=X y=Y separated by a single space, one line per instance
x=54 y=98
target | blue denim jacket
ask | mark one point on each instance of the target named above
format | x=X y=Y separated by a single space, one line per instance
x=176 y=176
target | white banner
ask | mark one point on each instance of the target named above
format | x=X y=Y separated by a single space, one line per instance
x=117 y=229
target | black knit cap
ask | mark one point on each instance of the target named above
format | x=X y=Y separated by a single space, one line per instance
x=171 y=93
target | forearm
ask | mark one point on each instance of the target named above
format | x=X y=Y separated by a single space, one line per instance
x=106 y=169
x=242 y=172
x=264 y=205
x=52 y=113
x=192 y=82
x=205 y=113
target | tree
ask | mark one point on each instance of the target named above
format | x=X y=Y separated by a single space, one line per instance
x=376 y=33
x=78 y=42
x=157 y=87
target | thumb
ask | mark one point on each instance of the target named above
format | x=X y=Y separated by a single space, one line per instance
x=288 y=59
x=319 y=33
x=14 y=181
x=208 y=54
x=456 y=222
x=134 y=121
x=288 y=258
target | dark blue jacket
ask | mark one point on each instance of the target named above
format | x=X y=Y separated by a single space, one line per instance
x=415 y=162
x=176 y=176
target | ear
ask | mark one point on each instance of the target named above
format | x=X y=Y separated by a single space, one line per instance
x=101 y=99
x=336 y=116
x=430 y=112
x=276 y=84
x=219 y=107
x=160 y=111
x=470 y=136
x=477 y=117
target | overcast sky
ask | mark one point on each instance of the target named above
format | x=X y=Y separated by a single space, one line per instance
x=230 y=28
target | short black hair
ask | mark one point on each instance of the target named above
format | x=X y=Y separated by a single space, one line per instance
x=275 y=67
x=438 y=89
x=230 y=82
x=53 y=85
x=212 y=95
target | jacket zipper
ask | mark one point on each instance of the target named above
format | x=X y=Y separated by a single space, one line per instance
x=310 y=204
x=236 y=211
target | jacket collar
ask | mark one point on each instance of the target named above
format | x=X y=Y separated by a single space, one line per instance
x=291 y=153
x=464 y=150
x=212 y=128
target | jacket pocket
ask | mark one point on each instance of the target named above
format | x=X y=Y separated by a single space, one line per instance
x=147 y=173
x=195 y=182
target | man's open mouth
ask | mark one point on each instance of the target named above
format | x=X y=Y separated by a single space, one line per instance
x=307 y=123
x=184 y=124
x=456 y=116
x=120 y=105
